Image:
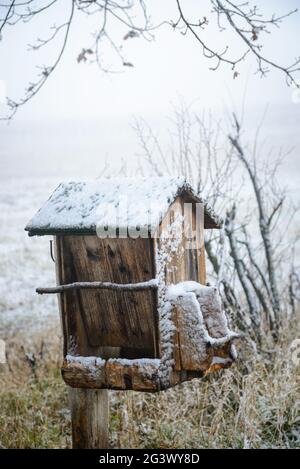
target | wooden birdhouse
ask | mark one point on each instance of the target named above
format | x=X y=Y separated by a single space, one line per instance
x=131 y=282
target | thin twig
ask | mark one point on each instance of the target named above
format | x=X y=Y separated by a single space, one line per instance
x=149 y=285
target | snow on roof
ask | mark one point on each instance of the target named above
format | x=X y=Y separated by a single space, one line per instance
x=83 y=207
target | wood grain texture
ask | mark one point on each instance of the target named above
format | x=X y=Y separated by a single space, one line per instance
x=109 y=318
x=90 y=418
x=135 y=377
x=195 y=254
x=121 y=376
x=187 y=262
x=125 y=324
x=194 y=353
x=111 y=374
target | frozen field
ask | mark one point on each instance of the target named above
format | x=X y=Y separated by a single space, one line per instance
x=25 y=263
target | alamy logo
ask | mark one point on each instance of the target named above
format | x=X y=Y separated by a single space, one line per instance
x=2 y=352
x=125 y=219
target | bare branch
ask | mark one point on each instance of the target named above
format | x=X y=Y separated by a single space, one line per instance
x=46 y=72
x=141 y=286
x=263 y=218
x=245 y=20
x=7 y=16
x=254 y=48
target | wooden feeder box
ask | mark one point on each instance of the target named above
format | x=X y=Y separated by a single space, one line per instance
x=130 y=263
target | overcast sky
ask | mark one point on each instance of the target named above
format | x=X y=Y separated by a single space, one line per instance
x=83 y=116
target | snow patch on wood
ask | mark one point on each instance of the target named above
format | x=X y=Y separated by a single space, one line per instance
x=135 y=362
x=89 y=362
x=148 y=285
x=203 y=332
x=207 y=306
x=86 y=206
x=167 y=327
x=202 y=324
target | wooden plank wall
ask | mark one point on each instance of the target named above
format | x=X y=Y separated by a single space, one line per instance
x=183 y=263
x=186 y=262
x=92 y=320
x=119 y=324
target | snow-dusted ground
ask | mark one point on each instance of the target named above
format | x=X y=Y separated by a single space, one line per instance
x=25 y=263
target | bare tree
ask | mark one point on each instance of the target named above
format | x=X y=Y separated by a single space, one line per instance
x=251 y=259
x=244 y=20
x=239 y=265
x=265 y=218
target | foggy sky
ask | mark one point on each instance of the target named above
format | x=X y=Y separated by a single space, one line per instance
x=83 y=116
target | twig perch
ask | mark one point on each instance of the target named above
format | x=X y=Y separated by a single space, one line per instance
x=149 y=285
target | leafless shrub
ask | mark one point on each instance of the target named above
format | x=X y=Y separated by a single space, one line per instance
x=251 y=259
x=253 y=405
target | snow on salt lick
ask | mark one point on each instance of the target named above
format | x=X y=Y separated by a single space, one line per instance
x=193 y=327
x=210 y=304
x=204 y=312
x=113 y=203
x=179 y=289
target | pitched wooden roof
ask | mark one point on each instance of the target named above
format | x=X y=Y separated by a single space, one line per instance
x=81 y=207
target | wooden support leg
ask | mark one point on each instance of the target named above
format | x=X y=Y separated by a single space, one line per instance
x=90 y=418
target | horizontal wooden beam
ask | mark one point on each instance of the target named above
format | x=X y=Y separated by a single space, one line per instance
x=149 y=285
x=122 y=374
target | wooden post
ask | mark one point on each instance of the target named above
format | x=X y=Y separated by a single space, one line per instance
x=90 y=418
x=89 y=407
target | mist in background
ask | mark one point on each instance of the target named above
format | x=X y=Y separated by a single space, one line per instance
x=83 y=117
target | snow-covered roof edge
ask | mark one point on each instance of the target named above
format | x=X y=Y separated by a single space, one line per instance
x=211 y=219
x=34 y=227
